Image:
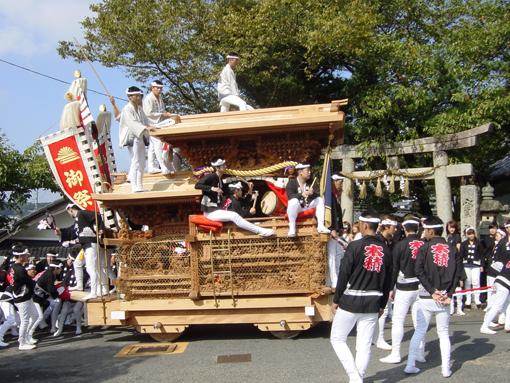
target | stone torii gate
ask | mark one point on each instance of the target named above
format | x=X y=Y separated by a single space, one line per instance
x=441 y=172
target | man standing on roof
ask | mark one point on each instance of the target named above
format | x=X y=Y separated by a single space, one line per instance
x=301 y=196
x=213 y=192
x=134 y=132
x=154 y=109
x=228 y=92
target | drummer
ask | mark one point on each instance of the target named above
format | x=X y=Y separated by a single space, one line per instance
x=239 y=203
x=301 y=197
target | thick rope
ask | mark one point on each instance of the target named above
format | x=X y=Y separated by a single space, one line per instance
x=249 y=173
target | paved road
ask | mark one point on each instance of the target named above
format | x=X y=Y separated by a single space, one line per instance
x=308 y=358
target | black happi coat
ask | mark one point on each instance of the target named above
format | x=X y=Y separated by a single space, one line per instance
x=404 y=257
x=211 y=200
x=438 y=267
x=366 y=266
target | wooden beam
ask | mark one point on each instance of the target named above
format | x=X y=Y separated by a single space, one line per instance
x=464 y=139
x=455 y=170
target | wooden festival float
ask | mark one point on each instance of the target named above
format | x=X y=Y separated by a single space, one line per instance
x=181 y=272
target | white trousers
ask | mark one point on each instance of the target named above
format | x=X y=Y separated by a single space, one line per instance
x=294 y=208
x=403 y=301
x=381 y=321
x=91 y=266
x=9 y=318
x=137 y=154
x=231 y=216
x=67 y=307
x=343 y=323
x=39 y=317
x=227 y=101
x=500 y=304
x=335 y=255
x=28 y=317
x=473 y=281
x=425 y=309
x=78 y=272
x=155 y=156
x=490 y=292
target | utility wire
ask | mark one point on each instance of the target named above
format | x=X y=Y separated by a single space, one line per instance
x=54 y=78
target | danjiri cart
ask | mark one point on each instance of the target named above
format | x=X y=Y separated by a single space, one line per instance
x=180 y=273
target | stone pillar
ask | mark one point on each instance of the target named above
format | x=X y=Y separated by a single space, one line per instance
x=442 y=186
x=347 y=200
x=469 y=206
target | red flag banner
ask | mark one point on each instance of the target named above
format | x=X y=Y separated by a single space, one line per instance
x=68 y=166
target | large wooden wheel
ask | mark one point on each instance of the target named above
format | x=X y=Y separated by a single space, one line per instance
x=165 y=337
x=286 y=334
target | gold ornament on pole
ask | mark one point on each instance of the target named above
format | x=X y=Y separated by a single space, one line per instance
x=378 y=188
x=363 y=190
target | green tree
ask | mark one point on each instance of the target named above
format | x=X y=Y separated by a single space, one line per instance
x=409 y=68
x=20 y=174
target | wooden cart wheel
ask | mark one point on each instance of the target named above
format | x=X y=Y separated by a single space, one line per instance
x=286 y=334
x=165 y=337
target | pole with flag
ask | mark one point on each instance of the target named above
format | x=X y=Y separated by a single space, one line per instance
x=326 y=187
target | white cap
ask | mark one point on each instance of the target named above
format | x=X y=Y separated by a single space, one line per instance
x=302 y=166
x=218 y=162
x=336 y=177
x=237 y=185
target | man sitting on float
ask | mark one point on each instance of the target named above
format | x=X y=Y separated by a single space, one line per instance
x=213 y=193
x=301 y=197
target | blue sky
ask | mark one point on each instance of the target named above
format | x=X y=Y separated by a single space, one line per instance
x=31 y=105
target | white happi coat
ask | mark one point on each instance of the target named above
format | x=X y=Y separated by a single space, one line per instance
x=132 y=124
x=227 y=85
x=153 y=108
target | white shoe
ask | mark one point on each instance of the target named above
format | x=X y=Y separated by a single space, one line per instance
x=53 y=330
x=75 y=288
x=77 y=332
x=32 y=341
x=486 y=330
x=155 y=171
x=89 y=296
x=3 y=344
x=460 y=312
x=391 y=359
x=501 y=319
x=112 y=291
x=383 y=345
x=266 y=233
x=411 y=370
x=421 y=359
x=43 y=325
x=26 y=347
x=59 y=332
x=323 y=230
x=291 y=234
x=493 y=324
x=446 y=373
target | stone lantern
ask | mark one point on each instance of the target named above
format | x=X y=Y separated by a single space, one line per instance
x=490 y=209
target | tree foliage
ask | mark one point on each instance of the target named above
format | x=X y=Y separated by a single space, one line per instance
x=20 y=174
x=409 y=68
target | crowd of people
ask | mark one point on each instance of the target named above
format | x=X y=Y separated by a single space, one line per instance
x=393 y=268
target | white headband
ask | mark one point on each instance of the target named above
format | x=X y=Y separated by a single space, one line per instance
x=154 y=84
x=501 y=232
x=237 y=185
x=410 y=222
x=70 y=205
x=372 y=220
x=336 y=177
x=469 y=228
x=24 y=252
x=133 y=92
x=30 y=267
x=218 y=162
x=232 y=57
x=389 y=222
x=507 y=224
x=302 y=166
x=51 y=254
x=55 y=265
x=425 y=226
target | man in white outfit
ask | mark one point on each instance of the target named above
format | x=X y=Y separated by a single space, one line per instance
x=301 y=197
x=154 y=109
x=133 y=132
x=228 y=92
